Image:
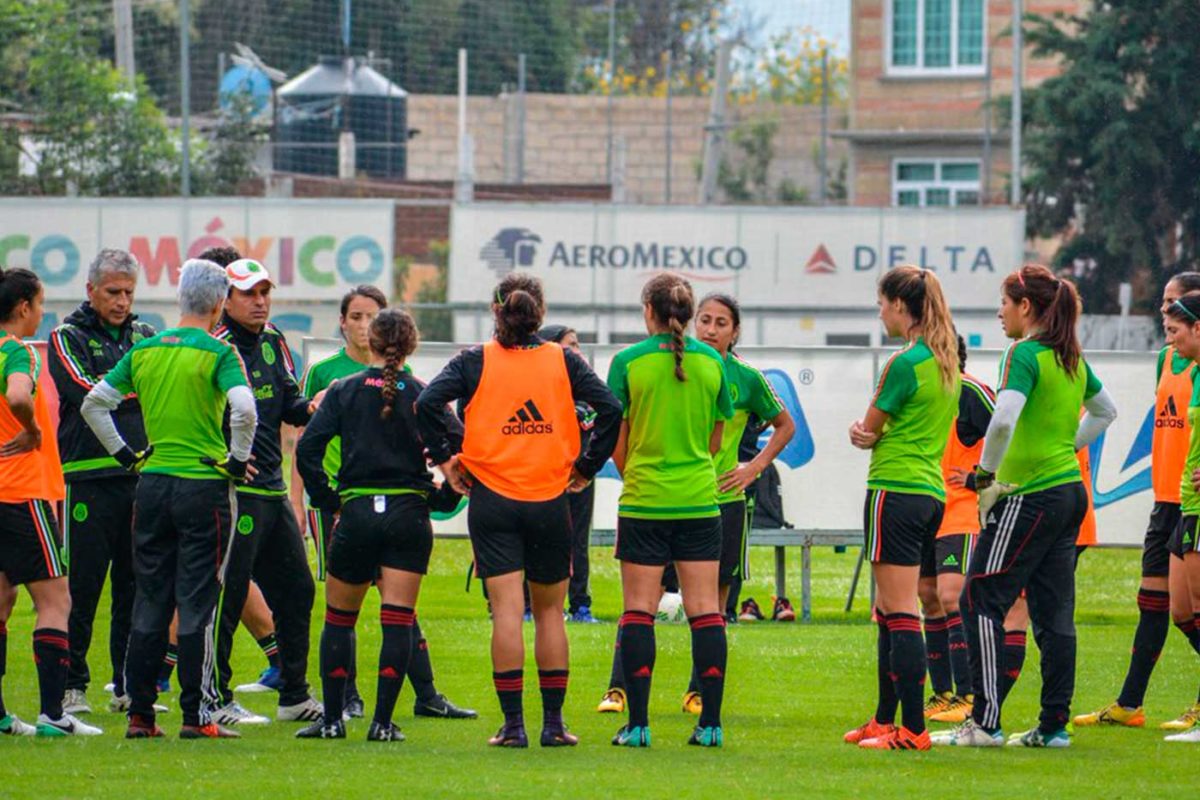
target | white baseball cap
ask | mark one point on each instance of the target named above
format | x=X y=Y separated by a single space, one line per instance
x=246 y=273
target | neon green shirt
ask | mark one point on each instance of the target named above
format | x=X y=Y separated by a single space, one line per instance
x=1178 y=364
x=751 y=394
x=317 y=379
x=669 y=473
x=1189 y=498
x=1041 y=454
x=920 y=408
x=181 y=377
x=17 y=358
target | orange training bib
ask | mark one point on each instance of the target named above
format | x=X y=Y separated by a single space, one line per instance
x=1169 y=445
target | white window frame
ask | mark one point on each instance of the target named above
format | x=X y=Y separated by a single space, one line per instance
x=922 y=186
x=954 y=70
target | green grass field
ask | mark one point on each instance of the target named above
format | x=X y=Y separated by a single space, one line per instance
x=793 y=689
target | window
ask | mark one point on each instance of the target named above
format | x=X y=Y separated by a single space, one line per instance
x=936 y=37
x=936 y=182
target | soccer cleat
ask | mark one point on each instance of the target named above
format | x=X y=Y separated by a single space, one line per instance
x=692 y=704
x=354 y=708
x=163 y=685
x=210 y=731
x=1113 y=714
x=378 y=732
x=440 y=706
x=1185 y=721
x=558 y=736
x=900 y=739
x=956 y=712
x=613 y=702
x=319 y=730
x=119 y=704
x=868 y=730
x=11 y=725
x=75 y=702
x=269 y=680
x=783 y=611
x=66 y=725
x=636 y=736
x=969 y=734
x=583 y=614
x=235 y=714
x=1036 y=738
x=1188 y=736
x=750 y=612
x=142 y=728
x=707 y=737
x=510 y=735
x=307 y=710
x=938 y=703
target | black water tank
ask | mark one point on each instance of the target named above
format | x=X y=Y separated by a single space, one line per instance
x=310 y=119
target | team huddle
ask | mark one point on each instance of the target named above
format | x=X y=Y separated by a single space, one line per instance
x=167 y=469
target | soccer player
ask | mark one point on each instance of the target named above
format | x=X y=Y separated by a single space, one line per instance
x=943 y=569
x=359 y=308
x=1163 y=592
x=905 y=428
x=520 y=453
x=676 y=398
x=269 y=547
x=30 y=483
x=1031 y=502
x=97 y=516
x=185 y=504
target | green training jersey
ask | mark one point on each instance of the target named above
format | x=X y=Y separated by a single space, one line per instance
x=669 y=472
x=1189 y=498
x=318 y=378
x=1041 y=454
x=907 y=458
x=1178 y=363
x=16 y=357
x=750 y=393
x=181 y=377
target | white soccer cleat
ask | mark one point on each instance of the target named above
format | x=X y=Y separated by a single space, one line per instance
x=1187 y=736
x=75 y=702
x=66 y=725
x=235 y=714
x=12 y=725
x=968 y=734
x=119 y=704
x=308 y=710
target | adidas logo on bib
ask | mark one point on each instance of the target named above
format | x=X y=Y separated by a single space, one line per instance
x=527 y=420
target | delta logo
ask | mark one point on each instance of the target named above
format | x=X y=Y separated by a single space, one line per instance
x=821 y=263
x=527 y=420
x=1169 y=417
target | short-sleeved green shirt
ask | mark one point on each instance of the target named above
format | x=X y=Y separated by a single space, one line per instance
x=1178 y=363
x=751 y=394
x=669 y=472
x=181 y=377
x=17 y=358
x=1189 y=498
x=1041 y=454
x=921 y=408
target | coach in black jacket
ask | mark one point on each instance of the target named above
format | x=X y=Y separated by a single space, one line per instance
x=97 y=516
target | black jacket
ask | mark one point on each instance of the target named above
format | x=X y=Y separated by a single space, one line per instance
x=80 y=353
x=268 y=363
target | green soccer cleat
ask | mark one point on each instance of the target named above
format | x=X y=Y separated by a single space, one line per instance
x=635 y=736
x=1037 y=738
x=11 y=725
x=707 y=737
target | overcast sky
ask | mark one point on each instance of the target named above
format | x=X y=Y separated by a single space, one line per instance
x=830 y=17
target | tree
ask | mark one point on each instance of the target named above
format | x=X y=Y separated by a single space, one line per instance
x=1112 y=148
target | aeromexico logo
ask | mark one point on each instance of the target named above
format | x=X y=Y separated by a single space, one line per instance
x=527 y=420
x=518 y=247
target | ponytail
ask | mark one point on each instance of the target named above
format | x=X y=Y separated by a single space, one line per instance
x=672 y=303
x=394 y=336
x=519 y=306
x=921 y=292
x=1055 y=304
x=17 y=285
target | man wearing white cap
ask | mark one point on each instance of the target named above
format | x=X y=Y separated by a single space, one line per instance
x=267 y=545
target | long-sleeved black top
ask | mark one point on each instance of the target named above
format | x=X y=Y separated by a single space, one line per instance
x=277 y=396
x=460 y=378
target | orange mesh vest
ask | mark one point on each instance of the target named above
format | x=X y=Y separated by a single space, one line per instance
x=962 y=504
x=1087 y=531
x=522 y=437
x=36 y=475
x=1169 y=445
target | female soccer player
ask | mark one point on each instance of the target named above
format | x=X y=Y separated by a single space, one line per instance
x=31 y=483
x=676 y=399
x=1031 y=503
x=520 y=454
x=1163 y=593
x=905 y=428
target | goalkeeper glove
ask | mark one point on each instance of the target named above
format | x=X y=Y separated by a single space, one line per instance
x=230 y=468
x=133 y=461
x=990 y=491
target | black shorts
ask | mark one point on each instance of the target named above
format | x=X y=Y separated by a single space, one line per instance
x=30 y=543
x=513 y=535
x=378 y=531
x=1156 y=558
x=657 y=542
x=735 y=543
x=949 y=555
x=900 y=528
x=1184 y=538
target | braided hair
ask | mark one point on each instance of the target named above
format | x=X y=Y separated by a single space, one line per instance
x=394 y=336
x=672 y=303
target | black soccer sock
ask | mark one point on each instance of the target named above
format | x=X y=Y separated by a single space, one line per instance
x=960 y=654
x=908 y=667
x=337 y=638
x=53 y=657
x=270 y=649
x=3 y=666
x=1014 y=660
x=170 y=659
x=637 y=660
x=394 y=655
x=937 y=653
x=616 y=678
x=1191 y=630
x=510 y=689
x=885 y=710
x=1154 y=614
x=420 y=668
x=553 y=683
x=694 y=680
x=710 y=653
x=352 y=668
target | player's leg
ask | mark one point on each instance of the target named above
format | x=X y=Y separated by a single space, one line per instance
x=398 y=591
x=579 y=598
x=10 y=724
x=343 y=599
x=952 y=554
x=1182 y=613
x=697 y=550
x=257 y=620
x=548 y=543
x=937 y=640
x=85 y=531
x=1016 y=623
x=1190 y=570
x=121 y=583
